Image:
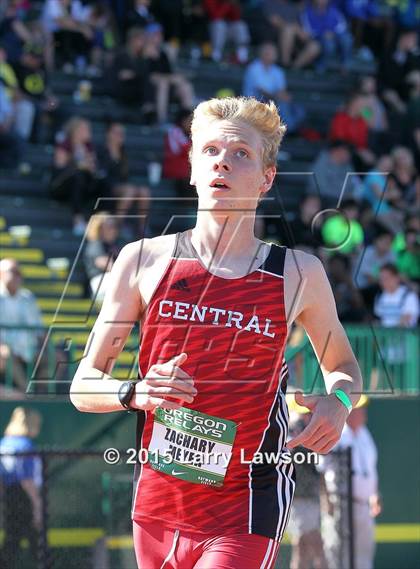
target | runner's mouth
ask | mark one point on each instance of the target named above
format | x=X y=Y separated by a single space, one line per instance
x=219 y=185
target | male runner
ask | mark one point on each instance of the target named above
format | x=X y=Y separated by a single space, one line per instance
x=215 y=305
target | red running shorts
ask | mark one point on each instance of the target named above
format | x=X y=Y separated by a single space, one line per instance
x=158 y=547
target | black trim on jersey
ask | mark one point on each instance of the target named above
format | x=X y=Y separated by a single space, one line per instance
x=141 y=421
x=275 y=260
x=284 y=378
x=272 y=485
x=264 y=478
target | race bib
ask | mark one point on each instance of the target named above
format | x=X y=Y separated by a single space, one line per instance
x=191 y=446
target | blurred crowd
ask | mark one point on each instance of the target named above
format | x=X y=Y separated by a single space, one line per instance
x=365 y=180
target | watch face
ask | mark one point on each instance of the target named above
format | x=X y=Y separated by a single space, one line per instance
x=125 y=388
x=126 y=392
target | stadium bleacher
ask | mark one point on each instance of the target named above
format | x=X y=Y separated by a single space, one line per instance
x=25 y=201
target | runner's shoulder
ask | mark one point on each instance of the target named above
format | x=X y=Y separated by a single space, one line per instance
x=145 y=252
x=305 y=264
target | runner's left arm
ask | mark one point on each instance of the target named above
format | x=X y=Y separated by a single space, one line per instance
x=318 y=315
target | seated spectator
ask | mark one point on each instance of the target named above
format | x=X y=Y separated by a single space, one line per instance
x=139 y=16
x=327 y=25
x=102 y=249
x=411 y=120
x=375 y=191
x=411 y=225
x=113 y=164
x=371 y=31
x=342 y=231
x=32 y=78
x=163 y=76
x=304 y=231
x=349 y=301
x=129 y=74
x=75 y=179
x=394 y=68
x=406 y=14
x=330 y=174
x=267 y=81
x=104 y=39
x=176 y=163
x=351 y=126
x=196 y=31
x=297 y=49
x=402 y=181
x=370 y=261
x=14 y=32
x=23 y=108
x=408 y=256
x=396 y=304
x=11 y=146
x=18 y=307
x=226 y=20
x=170 y=16
x=375 y=114
x=64 y=21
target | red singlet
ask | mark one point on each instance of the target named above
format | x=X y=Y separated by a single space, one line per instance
x=234 y=332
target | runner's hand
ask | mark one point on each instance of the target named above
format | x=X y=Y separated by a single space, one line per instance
x=324 y=429
x=162 y=384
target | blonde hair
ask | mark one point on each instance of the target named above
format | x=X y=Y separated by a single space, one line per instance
x=72 y=125
x=24 y=423
x=93 y=232
x=264 y=117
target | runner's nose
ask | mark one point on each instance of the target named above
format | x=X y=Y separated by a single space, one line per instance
x=222 y=164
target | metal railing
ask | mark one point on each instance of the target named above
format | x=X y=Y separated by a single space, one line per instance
x=56 y=354
x=388 y=359
x=51 y=363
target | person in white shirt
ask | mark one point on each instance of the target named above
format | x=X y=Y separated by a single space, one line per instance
x=18 y=307
x=396 y=305
x=366 y=503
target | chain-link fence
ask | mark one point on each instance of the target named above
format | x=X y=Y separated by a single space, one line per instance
x=84 y=513
x=320 y=528
x=69 y=528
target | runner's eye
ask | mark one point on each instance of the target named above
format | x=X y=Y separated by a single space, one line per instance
x=211 y=150
x=242 y=153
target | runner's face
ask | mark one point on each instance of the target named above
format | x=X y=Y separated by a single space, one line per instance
x=227 y=165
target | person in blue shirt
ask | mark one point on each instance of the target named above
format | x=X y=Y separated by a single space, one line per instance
x=20 y=478
x=266 y=81
x=371 y=25
x=406 y=14
x=324 y=23
x=11 y=146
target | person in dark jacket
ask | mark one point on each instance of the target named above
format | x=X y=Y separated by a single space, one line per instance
x=114 y=170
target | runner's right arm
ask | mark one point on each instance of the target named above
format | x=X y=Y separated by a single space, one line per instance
x=93 y=389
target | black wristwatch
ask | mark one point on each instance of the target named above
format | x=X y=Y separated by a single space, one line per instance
x=125 y=394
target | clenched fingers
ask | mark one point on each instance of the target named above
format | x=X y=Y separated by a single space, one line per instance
x=168 y=370
x=182 y=385
x=306 y=436
x=169 y=391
